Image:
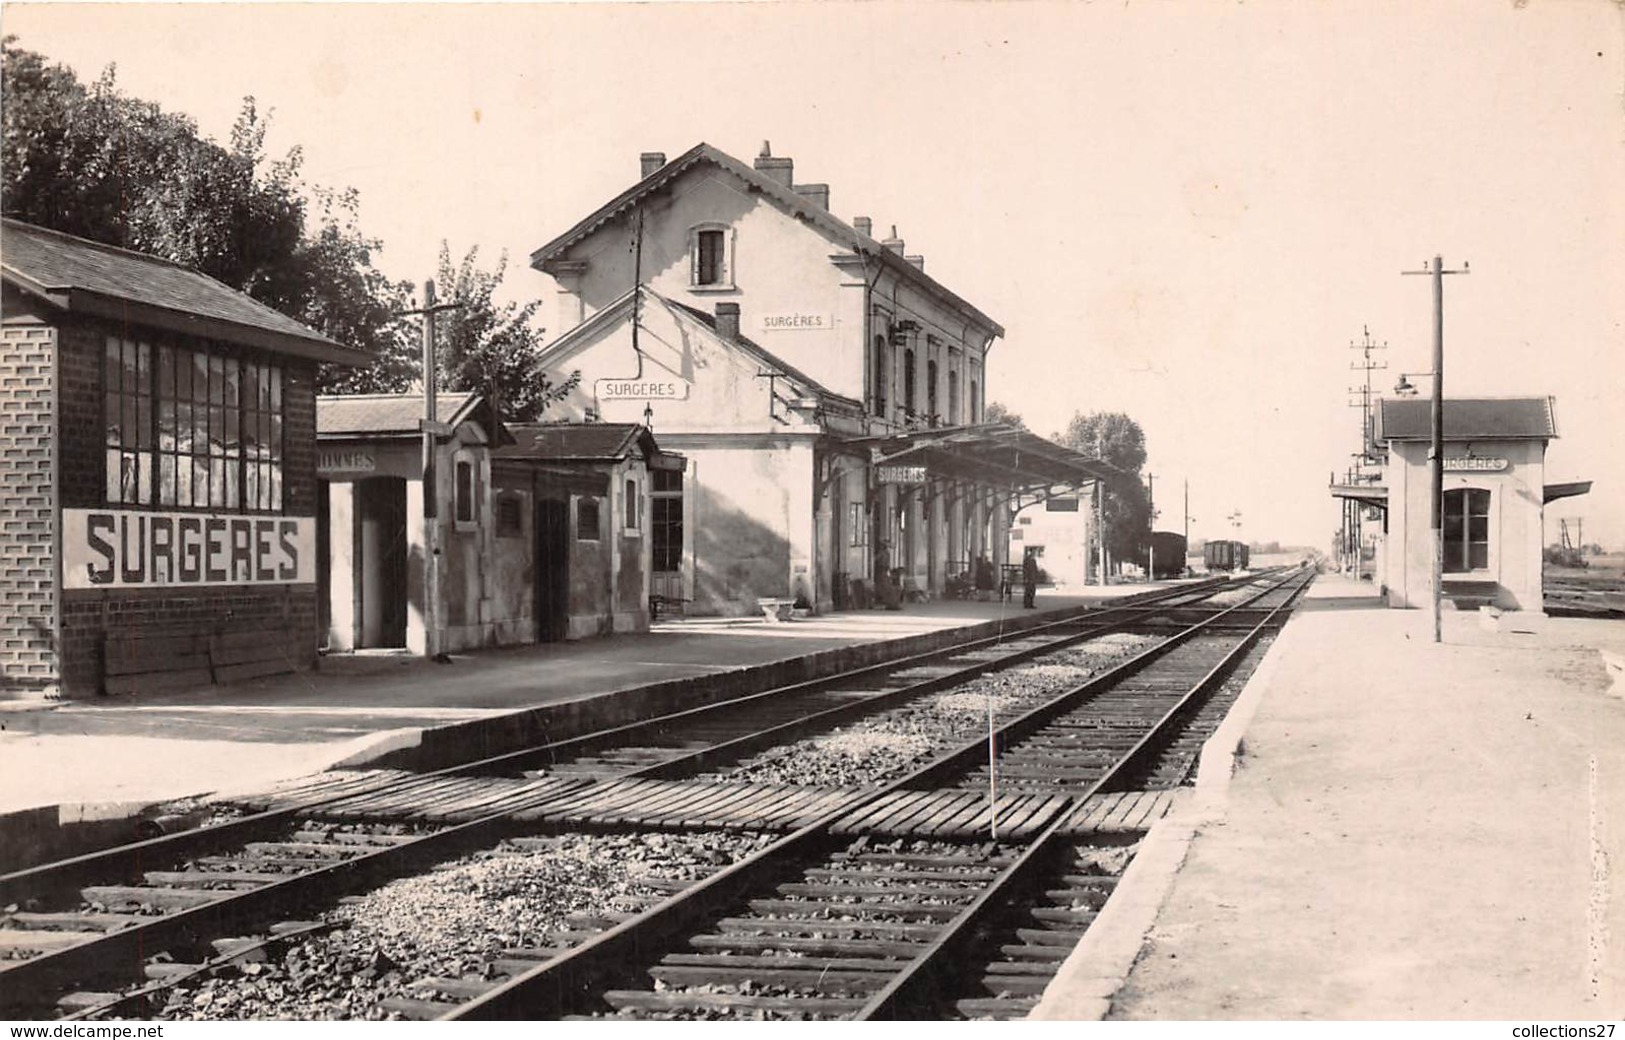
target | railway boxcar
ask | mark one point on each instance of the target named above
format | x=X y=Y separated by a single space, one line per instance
x=1226 y=556
x=1168 y=554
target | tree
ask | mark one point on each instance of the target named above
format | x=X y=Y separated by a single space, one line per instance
x=93 y=162
x=1118 y=441
x=998 y=413
x=490 y=347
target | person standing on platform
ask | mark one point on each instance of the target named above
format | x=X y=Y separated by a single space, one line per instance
x=1029 y=579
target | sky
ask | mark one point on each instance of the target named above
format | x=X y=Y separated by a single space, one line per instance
x=1184 y=211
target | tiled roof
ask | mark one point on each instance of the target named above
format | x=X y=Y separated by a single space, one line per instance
x=78 y=274
x=374 y=415
x=809 y=211
x=580 y=442
x=1468 y=418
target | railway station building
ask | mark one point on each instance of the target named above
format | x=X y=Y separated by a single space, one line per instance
x=1493 y=511
x=158 y=489
x=825 y=391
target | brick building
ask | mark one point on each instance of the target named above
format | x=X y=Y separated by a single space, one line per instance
x=157 y=473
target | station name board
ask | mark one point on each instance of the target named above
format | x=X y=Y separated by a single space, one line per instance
x=901 y=474
x=796 y=322
x=1474 y=464
x=116 y=548
x=641 y=389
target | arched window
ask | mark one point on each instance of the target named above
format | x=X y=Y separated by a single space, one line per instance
x=1466 y=530
x=710 y=250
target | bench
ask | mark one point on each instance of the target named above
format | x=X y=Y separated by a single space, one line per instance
x=775 y=610
x=160 y=662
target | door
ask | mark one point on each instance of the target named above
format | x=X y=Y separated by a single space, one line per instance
x=552 y=570
x=666 y=540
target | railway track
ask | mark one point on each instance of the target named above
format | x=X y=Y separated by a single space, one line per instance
x=351 y=833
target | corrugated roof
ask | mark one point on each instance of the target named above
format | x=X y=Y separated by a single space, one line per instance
x=574 y=442
x=77 y=274
x=1468 y=418
x=373 y=415
x=813 y=213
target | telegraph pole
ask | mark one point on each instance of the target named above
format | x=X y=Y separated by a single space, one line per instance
x=1151 y=522
x=1352 y=534
x=431 y=499
x=1436 y=452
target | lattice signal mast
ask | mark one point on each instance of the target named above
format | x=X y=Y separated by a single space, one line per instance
x=1367 y=365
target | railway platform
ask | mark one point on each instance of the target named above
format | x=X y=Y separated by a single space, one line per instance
x=1409 y=831
x=110 y=758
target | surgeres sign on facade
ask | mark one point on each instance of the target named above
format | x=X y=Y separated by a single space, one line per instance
x=116 y=548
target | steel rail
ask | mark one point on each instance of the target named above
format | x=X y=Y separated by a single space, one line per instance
x=916 y=984
x=567 y=982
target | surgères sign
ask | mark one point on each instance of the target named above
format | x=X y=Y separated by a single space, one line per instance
x=116 y=548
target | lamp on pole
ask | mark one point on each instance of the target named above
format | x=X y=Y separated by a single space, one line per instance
x=1436 y=449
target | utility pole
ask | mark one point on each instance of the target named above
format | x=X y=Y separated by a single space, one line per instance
x=1151 y=522
x=1352 y=534
x=1183 y=570
x=1100 y=506
x=1436 y=452
x=432 y=429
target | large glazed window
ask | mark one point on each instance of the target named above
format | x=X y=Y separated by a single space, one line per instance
x=191 y=429
x=1466 y=530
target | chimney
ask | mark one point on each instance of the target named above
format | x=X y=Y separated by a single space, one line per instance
x=781 y=170
x=893 y=243
x=728 y=321
x=917 y=261
x=817 y=194
x=864 y=225
x=651 y=161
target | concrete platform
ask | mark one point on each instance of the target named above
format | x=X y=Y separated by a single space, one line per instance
x=109 y=757
x=1410 y=831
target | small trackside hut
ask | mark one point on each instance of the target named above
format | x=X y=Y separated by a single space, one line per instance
x=157 y=474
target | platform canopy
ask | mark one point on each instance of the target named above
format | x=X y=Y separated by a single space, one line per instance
x=990 y=454
x=1365 y=494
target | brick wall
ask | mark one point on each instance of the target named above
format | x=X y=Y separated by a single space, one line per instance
x=27 y=511
x=89 y=616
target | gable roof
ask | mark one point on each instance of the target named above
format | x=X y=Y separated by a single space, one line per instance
x=578 y=442
x=839 y=230
x=79 y=275
x=399 y=415
x=1468 y=419
x=620 y=309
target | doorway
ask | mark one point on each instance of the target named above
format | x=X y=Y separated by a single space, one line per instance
x=552 y=570
x=381 y=549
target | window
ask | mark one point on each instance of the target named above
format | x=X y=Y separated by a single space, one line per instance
x=931 y=391
x=857 y=524
x=953 y=398
x=191 y=429
x=975 y=405
x=587 y=520
x=467 y=511
x=633 y=506
x=1466 y=530
x=908 y=382
x=709 y=249
x=882 y=361
x=666 y=520
x=510 y=517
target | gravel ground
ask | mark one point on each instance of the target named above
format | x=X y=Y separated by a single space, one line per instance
x=890 y=744
x=448 y=922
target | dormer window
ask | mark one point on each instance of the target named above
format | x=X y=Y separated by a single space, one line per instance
x=711 y=256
